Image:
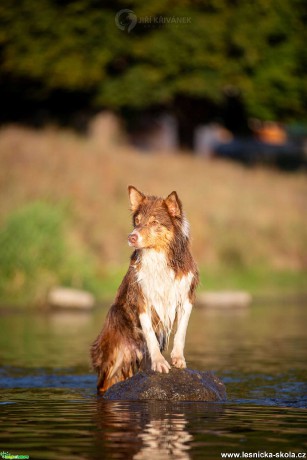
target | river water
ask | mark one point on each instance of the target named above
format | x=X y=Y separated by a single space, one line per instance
x=49 y=408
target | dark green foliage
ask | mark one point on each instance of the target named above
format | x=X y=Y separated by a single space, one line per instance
x=256 y=48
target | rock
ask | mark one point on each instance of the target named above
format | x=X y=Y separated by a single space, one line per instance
x=224 y=299
x=177 y=385
x=61 y=297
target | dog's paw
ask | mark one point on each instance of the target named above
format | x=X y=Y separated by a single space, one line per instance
x=160 y=365
x=179 y=362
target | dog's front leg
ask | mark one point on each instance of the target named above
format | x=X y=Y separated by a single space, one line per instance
x=183 y=316
x=158 y=362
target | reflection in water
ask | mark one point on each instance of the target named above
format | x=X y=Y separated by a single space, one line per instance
x=261 y=339
x=165 y=438
x=149 y=429
x=56 y=424
x=62 y=321
x=49 y=407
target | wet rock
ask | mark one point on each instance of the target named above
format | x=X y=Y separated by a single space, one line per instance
x=177 y=385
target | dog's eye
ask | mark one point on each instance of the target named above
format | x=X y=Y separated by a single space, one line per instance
x=156 y=222
x=137 y=221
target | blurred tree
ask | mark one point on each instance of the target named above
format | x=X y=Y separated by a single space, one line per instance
x=71 y=52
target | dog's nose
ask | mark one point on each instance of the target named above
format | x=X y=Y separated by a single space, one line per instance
x=132 y=238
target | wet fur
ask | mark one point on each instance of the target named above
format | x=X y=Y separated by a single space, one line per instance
x=161 y=280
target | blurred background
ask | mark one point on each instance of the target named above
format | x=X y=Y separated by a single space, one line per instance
x=207 y=98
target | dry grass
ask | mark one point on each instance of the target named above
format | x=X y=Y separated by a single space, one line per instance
x=241 y=218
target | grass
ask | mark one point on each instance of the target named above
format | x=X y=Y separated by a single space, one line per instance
x=267 y=283
x=248 y=225
x=36 y=253
x=256 y=281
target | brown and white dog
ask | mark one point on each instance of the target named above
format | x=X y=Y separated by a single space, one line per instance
x=157 y=290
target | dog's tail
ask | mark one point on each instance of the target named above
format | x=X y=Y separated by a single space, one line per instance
x=116 y=353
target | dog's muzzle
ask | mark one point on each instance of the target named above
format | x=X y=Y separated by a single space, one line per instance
x=133 y=238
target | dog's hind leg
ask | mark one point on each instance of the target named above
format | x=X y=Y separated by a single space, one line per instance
x=119 y=364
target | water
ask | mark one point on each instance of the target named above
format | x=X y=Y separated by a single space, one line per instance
x=49 y=408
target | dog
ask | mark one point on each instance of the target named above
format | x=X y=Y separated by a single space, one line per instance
x=157 y=291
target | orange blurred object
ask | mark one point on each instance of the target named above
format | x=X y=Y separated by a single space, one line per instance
x=272 y=133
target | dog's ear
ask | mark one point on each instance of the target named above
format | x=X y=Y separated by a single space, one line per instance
x=173 y=205
x=136 y=197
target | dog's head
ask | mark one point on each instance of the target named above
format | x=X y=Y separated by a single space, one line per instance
x=156 y=221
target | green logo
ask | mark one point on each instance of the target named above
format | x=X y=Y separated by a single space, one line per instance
x=8 y=456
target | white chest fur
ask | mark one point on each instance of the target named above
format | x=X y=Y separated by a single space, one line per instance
x=160 y=288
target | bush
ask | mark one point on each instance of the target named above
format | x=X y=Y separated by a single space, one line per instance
x=36 y=253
